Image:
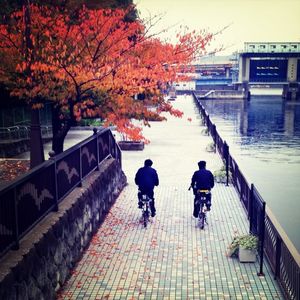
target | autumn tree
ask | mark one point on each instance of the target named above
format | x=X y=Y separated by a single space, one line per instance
x=70 y=6
x=93 y=67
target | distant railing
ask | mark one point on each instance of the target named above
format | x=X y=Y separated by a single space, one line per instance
x=284 y=259
x=22 y=132
x=28 y=199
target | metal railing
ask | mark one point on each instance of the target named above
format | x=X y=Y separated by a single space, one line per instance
x=28 y=199
x=22 y=132
x=282 y=256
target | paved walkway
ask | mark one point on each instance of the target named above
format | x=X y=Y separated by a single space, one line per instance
x=172 y=258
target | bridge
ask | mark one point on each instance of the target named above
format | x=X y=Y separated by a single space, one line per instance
x=217 y=71
x=260 y=64
x=272 y=64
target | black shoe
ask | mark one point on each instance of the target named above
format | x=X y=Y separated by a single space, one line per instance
x=153 y=214
x=140 y=205
x=208 y=208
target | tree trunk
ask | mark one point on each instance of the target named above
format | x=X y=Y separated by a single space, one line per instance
x=36 y=142
x=59 y=130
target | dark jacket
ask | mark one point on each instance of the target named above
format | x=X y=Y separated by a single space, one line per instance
x=203 y=179
x=146 y=178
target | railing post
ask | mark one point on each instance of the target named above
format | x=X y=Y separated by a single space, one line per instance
x=119 y=155
x=213 y=133
x=80 y=168
x=208 y=124
x=97 y=146
x=251 y=202
x=277 y=257
x=262 y=238
x=226 y=157
x=16 y=246
x=52 y=155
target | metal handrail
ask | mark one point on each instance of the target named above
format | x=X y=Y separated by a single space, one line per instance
x=282 y=255
x=22 y=132
x=28 y=199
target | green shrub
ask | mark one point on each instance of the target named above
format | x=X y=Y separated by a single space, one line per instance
x=211 y=147
x=204 y=131
x=220 y=175
x=247 y=241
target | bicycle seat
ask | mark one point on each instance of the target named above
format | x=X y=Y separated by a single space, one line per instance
x=145 y=198
x=203 y=191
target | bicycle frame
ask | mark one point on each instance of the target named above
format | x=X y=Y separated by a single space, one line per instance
x=145 y=208
x=201 y=199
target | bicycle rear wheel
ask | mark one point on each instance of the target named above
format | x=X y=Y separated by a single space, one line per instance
x=145 y=217
x=201 y=217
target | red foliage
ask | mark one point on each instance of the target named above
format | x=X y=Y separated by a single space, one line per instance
x=93 y=67
x=11 y=169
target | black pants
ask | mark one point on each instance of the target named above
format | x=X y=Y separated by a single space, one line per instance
x=197 y=205
x=150 y=194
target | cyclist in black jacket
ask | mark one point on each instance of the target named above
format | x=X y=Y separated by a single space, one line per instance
x=146 y=178
x=202 y=180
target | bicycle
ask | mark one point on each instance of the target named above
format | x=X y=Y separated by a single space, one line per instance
x=145 y=199
x=201 y=199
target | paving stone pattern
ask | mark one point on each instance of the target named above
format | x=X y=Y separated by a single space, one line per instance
x=172 y=258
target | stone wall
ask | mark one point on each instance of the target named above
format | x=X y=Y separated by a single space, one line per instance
x=48 y=253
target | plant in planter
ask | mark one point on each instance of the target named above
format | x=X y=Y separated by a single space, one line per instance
x=220 y=175
x=233 y=248
x=130 y=144
x=211 y=147
x=245 y=247
x=248 y=245
x=204 y=131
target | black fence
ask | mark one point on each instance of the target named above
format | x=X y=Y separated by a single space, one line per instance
x=28 y=199
x=273 y=242
x=22 y=132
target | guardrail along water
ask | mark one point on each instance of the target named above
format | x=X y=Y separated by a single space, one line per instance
x=275 y=245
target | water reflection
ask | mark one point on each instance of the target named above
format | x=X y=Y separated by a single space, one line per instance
x=264 y=123
x=264 y=137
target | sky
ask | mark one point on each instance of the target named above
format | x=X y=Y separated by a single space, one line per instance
x=248 y=20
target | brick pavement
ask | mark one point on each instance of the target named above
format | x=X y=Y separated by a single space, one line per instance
x=172 y=258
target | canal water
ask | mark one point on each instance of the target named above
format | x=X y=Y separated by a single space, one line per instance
x=264 y=138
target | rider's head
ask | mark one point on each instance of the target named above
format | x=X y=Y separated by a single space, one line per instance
x=148 y=163
x=202 y=164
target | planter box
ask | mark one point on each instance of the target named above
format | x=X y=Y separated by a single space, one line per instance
x=221 y=179
x=131 y=146
x=246 y=255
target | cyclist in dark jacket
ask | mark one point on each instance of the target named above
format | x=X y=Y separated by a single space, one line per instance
x=146 y=178
x=202 y=180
